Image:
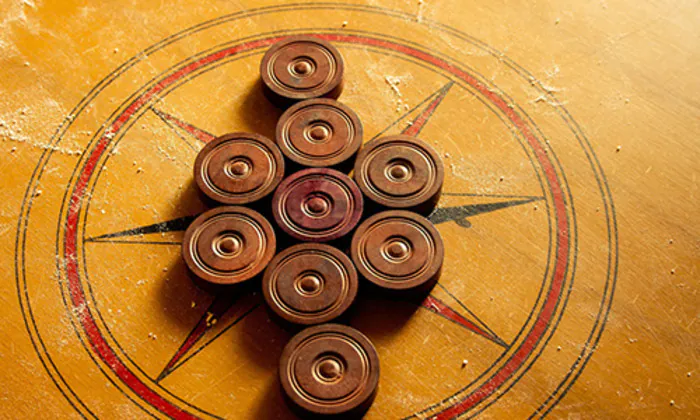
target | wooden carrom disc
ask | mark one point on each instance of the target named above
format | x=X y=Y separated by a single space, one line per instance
x=400 y=172
x=317 y=205
x=301 y=67
x=238 y=168
x=310 y=284
x=228 y=245
x=398 y=250
x=330 y=370
x=319 y=133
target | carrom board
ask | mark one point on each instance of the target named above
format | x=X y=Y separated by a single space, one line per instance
x=570 y=133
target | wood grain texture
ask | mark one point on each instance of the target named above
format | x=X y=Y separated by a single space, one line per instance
x=569 y=208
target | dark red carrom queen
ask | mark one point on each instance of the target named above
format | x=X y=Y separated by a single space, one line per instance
x=317 y=205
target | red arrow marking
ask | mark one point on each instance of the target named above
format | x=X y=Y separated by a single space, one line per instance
x=196 y=132
x=439 y=307
x=419 y=122
x=431 y=103
x=218 y=312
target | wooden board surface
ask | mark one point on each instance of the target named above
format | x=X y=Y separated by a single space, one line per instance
x=570 y=135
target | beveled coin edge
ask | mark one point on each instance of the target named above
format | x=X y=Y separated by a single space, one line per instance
x=344 y=181
x=283 y=142
x=358 y=340
x=195 y=265
x=415 y=200
x=425 y=276
x=215 y=193
x=276 y=304
x=331 y=83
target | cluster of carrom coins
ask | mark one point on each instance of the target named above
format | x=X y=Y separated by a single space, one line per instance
x=294 y=194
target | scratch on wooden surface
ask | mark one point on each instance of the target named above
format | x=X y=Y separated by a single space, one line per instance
x=11 y=131
x=546 y=86
x=394 y=83
x=419 y=14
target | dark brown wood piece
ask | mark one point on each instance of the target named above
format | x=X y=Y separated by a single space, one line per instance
x=330 y=370
x=317 y=205
x=310 y=284
x=399 y=251
x=301 y=67
x=239 y=168
x=320 y=133
x=400 y=172
x=228 y=245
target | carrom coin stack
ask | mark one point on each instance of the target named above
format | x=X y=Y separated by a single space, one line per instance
x=330 y=253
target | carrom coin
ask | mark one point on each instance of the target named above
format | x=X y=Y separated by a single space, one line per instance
x=228 y=245
x=317 y=205
x=310 y=284
x=301 y=67
x=398 y=250
x=330 y=370
x=320 y=133
x=238 y=168
x=400 y=172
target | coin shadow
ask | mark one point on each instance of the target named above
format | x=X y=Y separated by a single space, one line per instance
x=186 y=300
x=191 y=200
x=263 y=339
x=258 y=113
x=272 y=405
x=179 y=296
x=381 y=316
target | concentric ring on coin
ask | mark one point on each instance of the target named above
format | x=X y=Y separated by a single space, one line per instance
x=238 y=168
x=317 y=205
x=319 y=133
x=400 y=172
x=398 y=250
x=310 y=284
x=330 y=369
x=302 y=67
x=228 y=245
